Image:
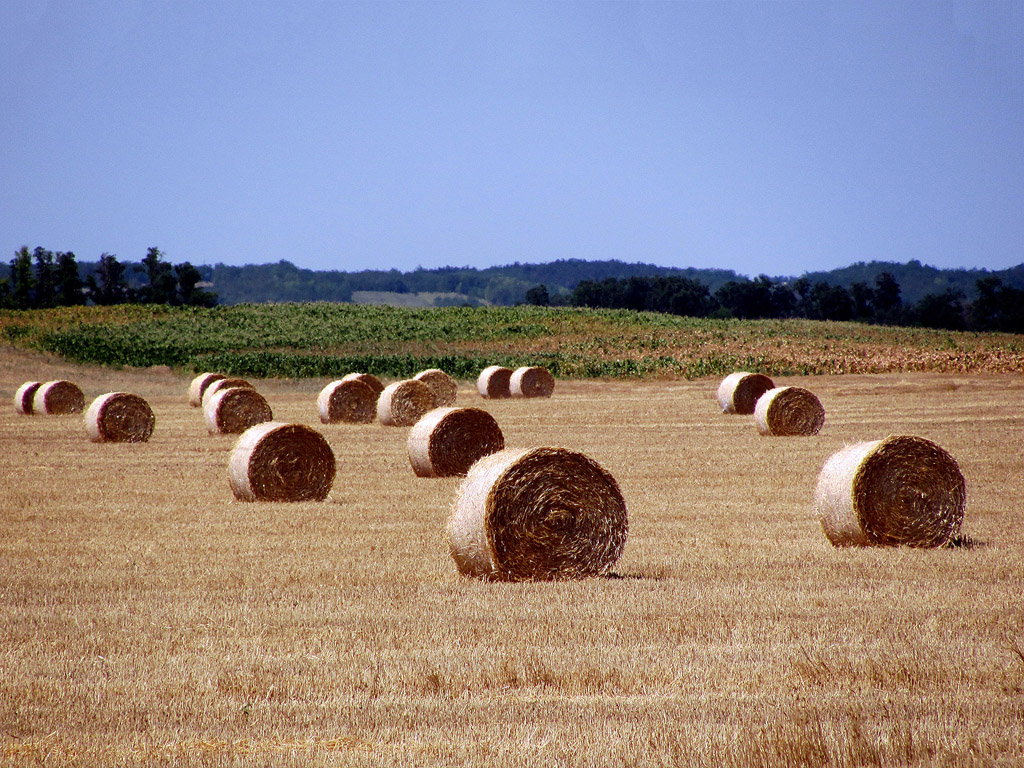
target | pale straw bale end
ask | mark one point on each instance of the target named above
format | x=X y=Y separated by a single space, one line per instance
x=537 y=514
x=275 y=461
x=448 y=441
x=900 y=490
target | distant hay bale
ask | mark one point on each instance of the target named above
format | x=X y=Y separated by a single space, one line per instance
x=444 y=386
x=199 y=385
x=403 y=403
x=494 y=382
x=217 y=385
x=232 y=410
x=281 y=462
x=23 y=397
x=537 y=514
x=368 y=379
x=447 y=441
x=531 y=381
x=119 y=417
x=58 y=398
x=351 y=402
x=789 y=411
x=739 y=392
x=900 y=490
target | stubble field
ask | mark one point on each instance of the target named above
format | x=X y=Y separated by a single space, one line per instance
x=148 y=618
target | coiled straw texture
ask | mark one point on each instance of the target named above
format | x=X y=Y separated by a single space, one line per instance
x=403 y=403
x=531 y=381
x=281 y=462
x=351 y=402
x=233 y=410
x=58 y=398
x=198 y=387
x=444 y=387
x=494 y=382
x=119 y=417
x=217 y=385
x=446 y=442
x=368 y=379
x=23 y=397
x=740 y=391
x=537 y=514
x=900 y=490
x=789 y=411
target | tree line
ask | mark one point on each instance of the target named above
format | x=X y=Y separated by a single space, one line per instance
x=41 y=279
x=997 y=307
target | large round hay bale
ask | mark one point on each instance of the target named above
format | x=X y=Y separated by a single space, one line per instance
x=403 y=403
x=58 y=398
x=281 y=462
x=368 y=379
x=789 y=411
x=537 y=514
x=740 y=391
x=447 y=441
x=531 y=381
x=119 y=417
x=233 y=410
x=351 y=402
x=900 y=490
x=444 y=386
x=198 y=387
x=495 y=382
x=217 y=385
x=23 y=397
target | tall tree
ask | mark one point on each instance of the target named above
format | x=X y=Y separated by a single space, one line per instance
x=189 y=292
x=941 y=310
x=69 y=282
x=863 y=296
x=46 y=283
x=538 y=295
x=887 y=302
x=827 y=302
x=22 y=281
x=111 y=287
x=163 y=285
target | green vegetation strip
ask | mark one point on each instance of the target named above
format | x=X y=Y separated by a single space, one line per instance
x=326 y=340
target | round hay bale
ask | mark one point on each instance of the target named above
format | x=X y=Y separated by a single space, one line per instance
x=531 y=381
x=23 y=397
x=58 y=398
x=199 y=385
x=403 y=403
x=447 y=441
x=739 y=392
x=281 y=462
x=233 y=410
x=494 y=382
x=368 y=379
x=119 y=417
x=444 y=386
x=537 y=514
x=351 y=402
x=789 y=411
x=217 y=385
x=900 y=490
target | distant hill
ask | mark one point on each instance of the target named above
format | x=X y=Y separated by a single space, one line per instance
x=283 y=281
x=508 y=284
x=917 y=280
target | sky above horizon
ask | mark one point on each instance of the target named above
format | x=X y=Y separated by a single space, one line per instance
x=768 y=137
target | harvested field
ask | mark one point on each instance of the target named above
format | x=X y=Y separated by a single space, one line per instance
x=164 y=623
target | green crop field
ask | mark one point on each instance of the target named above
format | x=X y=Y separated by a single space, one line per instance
x=323 y=339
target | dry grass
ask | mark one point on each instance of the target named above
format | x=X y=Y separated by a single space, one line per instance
x=164 y=623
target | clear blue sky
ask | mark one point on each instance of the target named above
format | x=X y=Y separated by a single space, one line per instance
x=773 y=137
